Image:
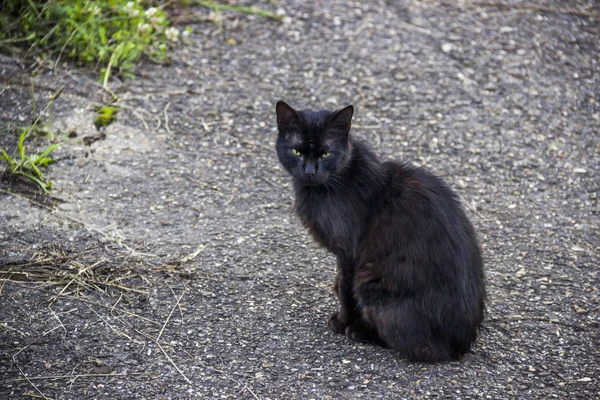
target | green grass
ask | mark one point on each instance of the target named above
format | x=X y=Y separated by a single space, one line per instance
x=29 y=165
x=109 y=34
x=105 y=116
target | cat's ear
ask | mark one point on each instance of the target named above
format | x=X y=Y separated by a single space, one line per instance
x=286 y=115
x=342 y=119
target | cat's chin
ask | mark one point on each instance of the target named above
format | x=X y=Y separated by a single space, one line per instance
x=312 y=182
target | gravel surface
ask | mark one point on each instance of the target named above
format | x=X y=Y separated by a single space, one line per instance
x=169 y=263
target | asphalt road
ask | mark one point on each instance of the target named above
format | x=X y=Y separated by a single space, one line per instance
x=170 y=266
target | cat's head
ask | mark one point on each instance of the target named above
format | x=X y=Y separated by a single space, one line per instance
x=313 y=146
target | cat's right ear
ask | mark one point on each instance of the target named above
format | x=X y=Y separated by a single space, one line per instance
x=342 y=119
x=286 y=115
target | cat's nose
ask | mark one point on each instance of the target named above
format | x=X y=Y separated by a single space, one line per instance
x=309 y=170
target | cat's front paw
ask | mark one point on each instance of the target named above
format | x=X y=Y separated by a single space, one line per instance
x=336 y=324
x=361 y=332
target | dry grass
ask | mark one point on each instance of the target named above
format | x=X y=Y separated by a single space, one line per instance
x=82 y=276
x=77 y=272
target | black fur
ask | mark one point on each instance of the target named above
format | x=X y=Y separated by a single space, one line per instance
x=409 y=275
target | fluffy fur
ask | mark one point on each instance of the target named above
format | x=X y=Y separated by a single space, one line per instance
x=409 y=274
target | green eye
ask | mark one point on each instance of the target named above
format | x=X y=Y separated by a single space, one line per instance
x=325 y=155
x=296 y=152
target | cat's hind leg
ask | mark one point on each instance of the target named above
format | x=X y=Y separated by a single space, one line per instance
x=403 y=326
x=401 y=322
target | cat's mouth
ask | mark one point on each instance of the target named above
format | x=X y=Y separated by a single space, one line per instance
x=313 y=180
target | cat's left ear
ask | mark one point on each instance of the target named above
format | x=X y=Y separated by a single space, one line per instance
x=342 y=119
x=286 y=115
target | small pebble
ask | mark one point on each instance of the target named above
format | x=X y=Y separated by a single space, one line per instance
x=580 y=310
x=447 y=47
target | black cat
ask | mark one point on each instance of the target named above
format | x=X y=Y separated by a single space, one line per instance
x=410 y=274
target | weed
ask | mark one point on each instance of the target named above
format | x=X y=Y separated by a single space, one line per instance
x=27 y=165
x=106 y=116
x=112 y=34
x=109 y=34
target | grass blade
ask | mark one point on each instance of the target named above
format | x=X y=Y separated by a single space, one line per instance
x=49 y=150
x=20 y=144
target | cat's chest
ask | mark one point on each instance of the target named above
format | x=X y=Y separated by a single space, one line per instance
x=333 y=220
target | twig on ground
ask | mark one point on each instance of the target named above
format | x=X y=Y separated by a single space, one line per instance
x=50 y=330
x=81 y=271
x=137 y=114
x=197 y=360
x=112 y=239
x=112 y=308
x=251 y=392
x=203 y=184
x=205 y=365
x=22 y=349
x=54 y=269
x=117 y=302
x=376 y=126
x=141 y=332
x=30 y=382
x=267 y=181
x=205 y=125
x=166 y=114
x=169 y=317
x=178 y=305
x=115 y=330
x=172 y=363
x=50 y=377
x=193 y=255
x=59 y=321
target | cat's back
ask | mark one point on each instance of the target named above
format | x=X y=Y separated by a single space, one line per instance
x=420 y=209
x=417 y=185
